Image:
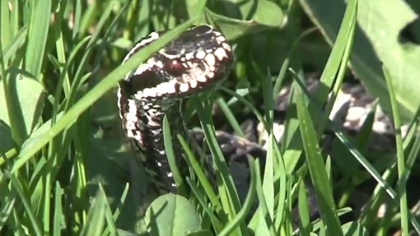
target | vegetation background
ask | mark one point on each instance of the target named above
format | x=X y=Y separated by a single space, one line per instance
x=64 y=159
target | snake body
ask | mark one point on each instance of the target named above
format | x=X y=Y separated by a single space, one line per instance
x=195 y=61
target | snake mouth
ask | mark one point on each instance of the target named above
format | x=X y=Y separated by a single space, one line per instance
x=190 y=64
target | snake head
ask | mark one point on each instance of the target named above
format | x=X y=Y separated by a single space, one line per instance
x=194 y=62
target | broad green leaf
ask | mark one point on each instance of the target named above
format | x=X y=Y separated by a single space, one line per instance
x=172 y=215
x=234 y=28
x=263 y=12
x=20 y=101
x=268 y=13
x=255 y=16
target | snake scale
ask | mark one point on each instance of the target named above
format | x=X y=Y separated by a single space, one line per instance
x=196 y=61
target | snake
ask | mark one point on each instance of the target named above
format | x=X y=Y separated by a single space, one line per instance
x=195 y=62
x=198 y=60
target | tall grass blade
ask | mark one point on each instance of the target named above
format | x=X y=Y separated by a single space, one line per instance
x=317 y=169
x=402 y=192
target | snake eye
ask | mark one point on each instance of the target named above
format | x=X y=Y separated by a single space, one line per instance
x=139 y=82
x=174 y=68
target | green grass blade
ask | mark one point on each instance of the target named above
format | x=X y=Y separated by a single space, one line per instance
x=37 y=36
x=402 y=192
x=119 y=207
x=240 y=98
x=167 y=139
x=317 y=169
x=110 y=219
x=58 y=210
x=343 y=46
x=413 y=154
x=36 y=228
x=96 y=216
x=14 y=17
x=303 y=210
x=270 y=164
x=79 y=77
x=285 y=66
x=61 y=57
x=209 y=133
x=5 y=31
x=254 y=167
x=18 y=42
x=366 y=129
x=216 y=222
x=192 y=162
x=230 y=117
x=6 y=210
x=280 y=171
x=77 y=19
x=265 y=224
x=230 y=202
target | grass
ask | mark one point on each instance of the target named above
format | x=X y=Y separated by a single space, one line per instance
x=66 y=168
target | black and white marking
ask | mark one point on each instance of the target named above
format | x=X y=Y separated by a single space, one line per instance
x=195 y=61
